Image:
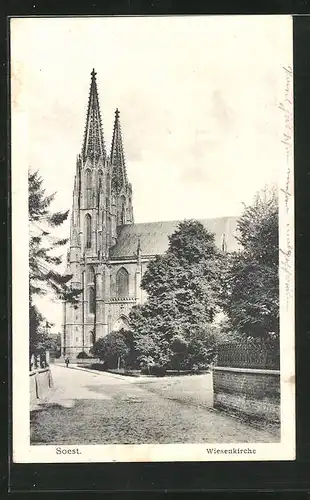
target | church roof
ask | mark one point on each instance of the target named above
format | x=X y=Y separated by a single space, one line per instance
x=153 y=236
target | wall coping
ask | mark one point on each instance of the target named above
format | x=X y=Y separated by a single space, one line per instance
x=254 y=371
x=40 y=370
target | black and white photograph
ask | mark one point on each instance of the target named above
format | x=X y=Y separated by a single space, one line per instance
x=152 y=238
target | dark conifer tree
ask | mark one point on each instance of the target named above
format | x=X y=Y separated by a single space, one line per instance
x=43 y=261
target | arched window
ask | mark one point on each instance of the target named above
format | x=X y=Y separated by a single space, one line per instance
x=88 y=188
x=108 y=185
x=122 y=283
x=88 y=230
x=100 y=176
x=100 y=184
x=123 y=210
x=121 y=324
x=91 y=300
x=90 y=275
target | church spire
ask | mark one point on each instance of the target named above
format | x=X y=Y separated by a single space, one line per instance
x=93 y=144
x=119 y=176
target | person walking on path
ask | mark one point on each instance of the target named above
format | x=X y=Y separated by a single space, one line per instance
x=67 y=361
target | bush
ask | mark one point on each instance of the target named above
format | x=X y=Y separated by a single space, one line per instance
x=99 y=366
x=82 y=355
x=157 y=370
x=114 y=349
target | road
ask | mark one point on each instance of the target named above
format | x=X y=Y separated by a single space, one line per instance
x=101 y=408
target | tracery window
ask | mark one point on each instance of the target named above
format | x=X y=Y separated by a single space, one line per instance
x=88 y=230
x=100 y=174
x=123 y=210
x=90 y=275
x=88 y=188
x=122 y=283
x=99 y=186
x=91 y=300
x=121 y=324
x=108 y=184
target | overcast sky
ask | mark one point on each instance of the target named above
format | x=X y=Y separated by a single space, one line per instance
x=198 y=100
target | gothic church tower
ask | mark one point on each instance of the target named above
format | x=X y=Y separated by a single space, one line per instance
x=108 y=253
x=102 y=201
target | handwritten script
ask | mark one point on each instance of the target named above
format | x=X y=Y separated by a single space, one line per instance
x=286 y=248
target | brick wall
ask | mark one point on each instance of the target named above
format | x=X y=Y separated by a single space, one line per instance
x=251 y=393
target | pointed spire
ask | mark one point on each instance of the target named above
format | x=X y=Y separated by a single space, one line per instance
x=119 y=176
x=93 y=144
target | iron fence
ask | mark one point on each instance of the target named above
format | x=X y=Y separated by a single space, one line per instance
x=250 y=353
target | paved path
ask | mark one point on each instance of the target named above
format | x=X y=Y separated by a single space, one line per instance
x=100 y=408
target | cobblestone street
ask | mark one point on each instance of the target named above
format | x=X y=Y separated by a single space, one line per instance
x=100 y=408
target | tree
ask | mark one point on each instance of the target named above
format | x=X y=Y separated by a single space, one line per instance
x=54 y=345
x=114 y=347
x=40 y=340
x=36 y=331
x=251 y=297
x=43 y=262
x=42 y=245
x=173 y=327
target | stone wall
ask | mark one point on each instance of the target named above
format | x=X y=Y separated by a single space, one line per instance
x=40 y=383
x=250 y=393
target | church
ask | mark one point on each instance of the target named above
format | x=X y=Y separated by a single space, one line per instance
x=108 y=251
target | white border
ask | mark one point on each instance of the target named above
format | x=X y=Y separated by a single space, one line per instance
x=22 y=451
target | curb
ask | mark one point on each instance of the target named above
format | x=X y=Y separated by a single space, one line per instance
x=97 y=372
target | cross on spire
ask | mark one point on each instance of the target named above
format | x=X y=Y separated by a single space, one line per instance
x=93 y=144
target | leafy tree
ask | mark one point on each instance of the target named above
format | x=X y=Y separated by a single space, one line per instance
x=40 y=340
x=43 y=262
x=173 y=327
x=54 y=345
x=251 y=297
x=113 y=347
x=35 y=330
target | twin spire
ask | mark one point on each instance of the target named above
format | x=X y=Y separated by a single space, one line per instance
x=119 y=177
x=93 y=143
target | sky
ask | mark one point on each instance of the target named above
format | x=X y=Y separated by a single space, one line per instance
x=198 y=99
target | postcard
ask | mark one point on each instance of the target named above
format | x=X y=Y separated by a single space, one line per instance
x=152 y=238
